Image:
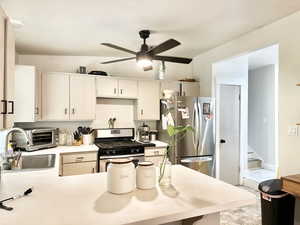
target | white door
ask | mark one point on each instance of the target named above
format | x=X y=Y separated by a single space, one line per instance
x=148 y=100
x=229 y=134
x=128 y=88
x=107 y=87
x=2 y=43
x=82 y=97
x=55 y=95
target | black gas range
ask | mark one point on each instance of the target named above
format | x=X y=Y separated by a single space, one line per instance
x=118 y=143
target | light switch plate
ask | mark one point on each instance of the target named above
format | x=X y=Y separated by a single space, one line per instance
x=293 y=131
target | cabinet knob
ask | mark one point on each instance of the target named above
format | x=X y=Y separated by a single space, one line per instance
x=12 y=107
x=73 y=110
x=121 y=91
x=37 y=111
x=66 y=111
x=115 y=90
x=142 y=112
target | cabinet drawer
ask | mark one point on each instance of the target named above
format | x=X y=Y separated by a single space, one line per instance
x=156 y=160
x=79 y=157
x=155 y=151
x=78 y=168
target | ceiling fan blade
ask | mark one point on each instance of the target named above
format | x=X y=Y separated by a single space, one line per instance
x=171 y=43
x=173 y=59
x=118 y=60
x=118 y=48
x=147 y=68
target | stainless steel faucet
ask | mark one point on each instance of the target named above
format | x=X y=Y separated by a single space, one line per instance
x=10 y=131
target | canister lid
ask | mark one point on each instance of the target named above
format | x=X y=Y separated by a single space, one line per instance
x=145 y=163
x=121 y=161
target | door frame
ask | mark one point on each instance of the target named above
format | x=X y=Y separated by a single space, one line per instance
x=218 y=137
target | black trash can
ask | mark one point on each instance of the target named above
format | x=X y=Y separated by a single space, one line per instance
x=277 y=206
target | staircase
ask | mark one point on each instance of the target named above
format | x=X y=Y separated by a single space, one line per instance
x=254 y=161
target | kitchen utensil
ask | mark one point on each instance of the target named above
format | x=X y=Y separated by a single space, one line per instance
x=121 y=176
x=2 y=206
x=145 y=175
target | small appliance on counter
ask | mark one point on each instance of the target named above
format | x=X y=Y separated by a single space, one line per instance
x=40 y=138
x=144 y=133
x=121 y=176
x=118 y=143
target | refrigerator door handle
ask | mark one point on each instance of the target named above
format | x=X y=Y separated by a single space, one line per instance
x=196 y=126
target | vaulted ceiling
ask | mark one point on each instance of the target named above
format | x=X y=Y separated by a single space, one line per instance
x=68 y=27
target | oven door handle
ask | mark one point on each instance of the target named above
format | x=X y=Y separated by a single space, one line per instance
x=121 y=156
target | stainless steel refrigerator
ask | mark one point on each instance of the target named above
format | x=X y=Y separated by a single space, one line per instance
x=196 y=149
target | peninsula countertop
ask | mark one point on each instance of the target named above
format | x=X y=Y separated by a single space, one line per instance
x=83 y=200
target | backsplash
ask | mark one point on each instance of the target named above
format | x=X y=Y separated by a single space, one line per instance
x=121 y=109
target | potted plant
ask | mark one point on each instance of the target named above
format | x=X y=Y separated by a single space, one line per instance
x=174 y=132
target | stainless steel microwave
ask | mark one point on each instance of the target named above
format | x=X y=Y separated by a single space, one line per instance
x=40 y=138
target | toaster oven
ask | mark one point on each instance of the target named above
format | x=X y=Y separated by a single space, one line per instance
x=40 y=138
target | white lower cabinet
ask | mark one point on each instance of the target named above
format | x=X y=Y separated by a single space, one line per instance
x=78 y=163
x=155 y=155
x=68 y=97
x=148 y=103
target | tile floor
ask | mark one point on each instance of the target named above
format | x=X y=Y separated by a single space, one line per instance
x=249 y=215
x=260 y=175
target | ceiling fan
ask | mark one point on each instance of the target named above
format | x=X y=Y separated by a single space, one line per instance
x=147 y=54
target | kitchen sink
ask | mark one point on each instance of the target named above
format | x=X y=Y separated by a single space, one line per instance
x=37 y=161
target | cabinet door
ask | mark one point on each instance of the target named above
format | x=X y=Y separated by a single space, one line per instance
x=148 y=100
x=25 y=93
x=128 y=88
x=106 y=87
x=38 y=96
x=190 y=88
x=78 y=168
x=9 y=74
x=156 y=160
x=2 y=50
x=170 y=86
x=82 y=97
x=55 y=96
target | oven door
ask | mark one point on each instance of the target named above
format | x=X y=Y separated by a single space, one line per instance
x=105 y=160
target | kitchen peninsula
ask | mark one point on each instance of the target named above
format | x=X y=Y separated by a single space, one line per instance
x=83 y=200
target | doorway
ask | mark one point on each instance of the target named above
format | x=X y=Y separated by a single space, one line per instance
x=229 y=133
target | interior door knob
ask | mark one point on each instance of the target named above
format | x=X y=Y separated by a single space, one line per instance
x=222 y=141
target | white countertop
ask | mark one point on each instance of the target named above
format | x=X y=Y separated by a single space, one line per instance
x=68 y=149
x=83 y=200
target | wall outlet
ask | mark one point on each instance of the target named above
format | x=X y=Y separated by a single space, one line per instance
x=293 y=131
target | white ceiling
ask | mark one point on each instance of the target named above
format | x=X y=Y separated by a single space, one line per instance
x=68 y=27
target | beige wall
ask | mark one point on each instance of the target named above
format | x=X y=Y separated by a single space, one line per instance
x=286 y=33
x=52 y=63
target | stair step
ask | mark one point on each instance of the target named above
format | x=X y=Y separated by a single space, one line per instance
x=254 y=163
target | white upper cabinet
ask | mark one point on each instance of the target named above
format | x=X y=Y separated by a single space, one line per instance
x=82 y=97
x=128 y=88
x=170 y=85
x=2 y=50
x=106 y=87
x=9 y=91
x=148 y=102
x=190 y=88
x=27 y=94
x=68 y=97
x=116 y=88
x=55 y=96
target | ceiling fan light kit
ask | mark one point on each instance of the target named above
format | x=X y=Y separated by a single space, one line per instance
x=146 y=55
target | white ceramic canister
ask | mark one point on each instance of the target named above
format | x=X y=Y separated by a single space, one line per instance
x=87 y=139
x=121 y=176
x=145 y=175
